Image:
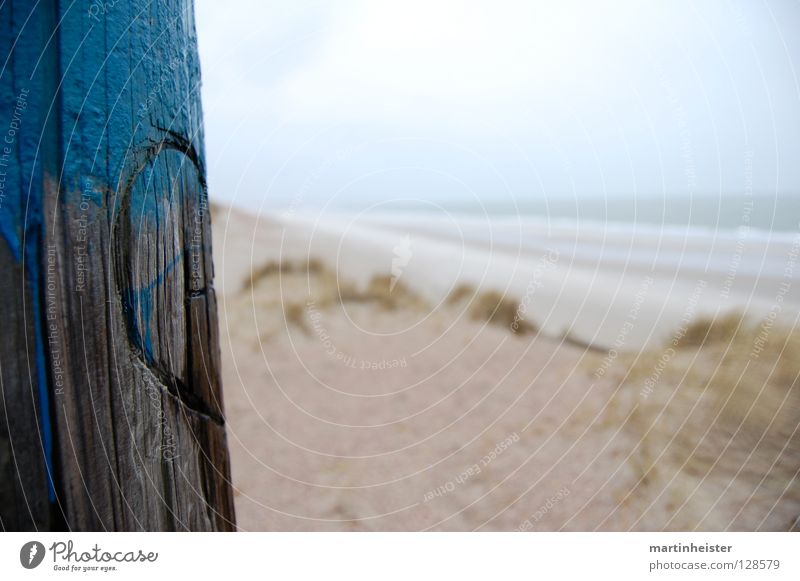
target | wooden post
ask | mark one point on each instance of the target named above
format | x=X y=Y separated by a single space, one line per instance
x=111 y=415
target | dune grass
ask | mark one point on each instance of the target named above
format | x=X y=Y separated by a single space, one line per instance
x=493 y=307
x=717 y=417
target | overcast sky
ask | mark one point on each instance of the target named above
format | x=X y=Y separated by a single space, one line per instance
x=362 y=101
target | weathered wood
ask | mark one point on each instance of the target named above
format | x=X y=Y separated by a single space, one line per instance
x=126 y=279
x=26 y=84
x=23 y=484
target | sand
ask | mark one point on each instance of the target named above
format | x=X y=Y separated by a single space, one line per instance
x=360 y=399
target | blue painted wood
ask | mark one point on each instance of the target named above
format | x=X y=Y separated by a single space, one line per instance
x=27 y=153
x=111 y=236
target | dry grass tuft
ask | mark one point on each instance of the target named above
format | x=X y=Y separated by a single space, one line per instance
x=463 y=293
x=494 y=307
x=706 y=331
x=718 y=427
x=283 y=293
x=272 y=269
x=295 y=314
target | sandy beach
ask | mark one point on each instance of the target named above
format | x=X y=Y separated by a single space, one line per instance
x=413 y=373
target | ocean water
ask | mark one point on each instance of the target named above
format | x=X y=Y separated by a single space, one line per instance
x=775 y=213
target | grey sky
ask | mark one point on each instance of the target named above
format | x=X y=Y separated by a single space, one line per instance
x=357 y=102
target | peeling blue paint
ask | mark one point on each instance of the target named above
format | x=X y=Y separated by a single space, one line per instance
x=26 y=91
x=32 y=251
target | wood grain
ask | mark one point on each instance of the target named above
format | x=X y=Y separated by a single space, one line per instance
x=126 y=278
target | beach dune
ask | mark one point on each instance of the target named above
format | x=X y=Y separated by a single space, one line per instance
x=415 y=372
